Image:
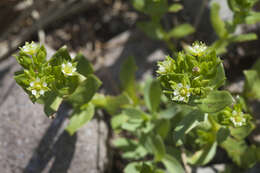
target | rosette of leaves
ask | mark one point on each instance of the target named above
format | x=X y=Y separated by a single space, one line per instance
x=62 y=77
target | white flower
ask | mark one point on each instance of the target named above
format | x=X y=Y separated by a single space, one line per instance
x=30 y=48
x=34 y=92
x=181 y=93
x=197 y=49
x=237 y=118
x=68 y=69
x=166 y=65
x=38 y=87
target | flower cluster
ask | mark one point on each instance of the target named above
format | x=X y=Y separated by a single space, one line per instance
x=234 y=116
x=192 y=74
x=40 y=76
x=38 y=87
x=166 y=66
x=197 y=49
x=30 y=48
x=237 y=118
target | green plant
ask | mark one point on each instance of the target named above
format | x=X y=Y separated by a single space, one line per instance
x=176 y=120
x=157 y=27
x=156 y=10
x=242 y=14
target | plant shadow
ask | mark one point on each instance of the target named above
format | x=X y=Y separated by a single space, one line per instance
x=52 y=151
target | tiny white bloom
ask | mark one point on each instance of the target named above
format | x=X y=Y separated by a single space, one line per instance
x=237 y=118
x=68 y=69
x=181 y=93
x=42 y=92
x=37 y=87
x=32 y=84
x=34 y=92
x=30 y=48
x=166 y=65
x=69 y=64
x=197 y=49
x=234 y=112
x=161 y=69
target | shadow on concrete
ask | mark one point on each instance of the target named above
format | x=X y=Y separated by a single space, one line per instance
x=57 y=153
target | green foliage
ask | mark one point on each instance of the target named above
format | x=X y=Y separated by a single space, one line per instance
x=181 y=113
x=152 y=95
x=85 y=91
x=217 y=23
x=175 y=8
x=215 y=101
x=62 y=78
x=127 y=78
x=242 y=14
x=156 y=10
x=172 y=165
x=80 y=117
x=252 y=86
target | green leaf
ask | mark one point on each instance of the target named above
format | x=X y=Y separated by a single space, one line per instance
x=243 y=131
x=80 y=117
x=112 y=104
x=118 y=120
x=252 y=85
x=60 y=56
x=138 y=153
x=222 y=135
x=172 y=165
x=154 y=8
x=127 y=78
x=203 y=156
x=170 y=112
x=115 y=103
x=146 y=168
x=256 y=66
x=233 y=5
x=152 y=94
x=125 y=144
x=41 y=55
x=85 y=91
x=138 y=4
x=152 y=29
x=181 y=31
x=24 y=60
x=215 y=101
x=253 y=18
x=21 y=79
x=175 y=8
x=189 y=122
x=162 y=127
x=131 y=148
x=136 y=119
x=51 y=104
x=133 y=167
x=135 y=113
x=84 y=67
x=243 y=155
x=220 y=46
x=216 y=21
x=154 y=144
x=220 y=77
x=244 y=37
